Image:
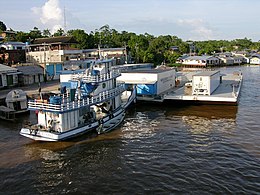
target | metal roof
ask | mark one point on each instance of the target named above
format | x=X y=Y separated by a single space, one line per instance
x=13 y=43
x=207 y=73
x=198 y=57
x=30 y=70
x=4 y=68
x=147 y=71
x=55 y=40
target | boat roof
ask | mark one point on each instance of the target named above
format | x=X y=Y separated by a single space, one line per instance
x=148 y=71
x=15 y=95
x=207 y=73
x=72 y=71
x=6 y=109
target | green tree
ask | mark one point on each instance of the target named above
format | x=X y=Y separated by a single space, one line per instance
x=138 y=44
x=59 y=32
x=22 y=36
x=35 y=33
x=46 y=33
x=2 y=26
x=81 y=37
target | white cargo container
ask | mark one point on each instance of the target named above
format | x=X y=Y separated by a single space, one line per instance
x=150 y=82
x=205 y=83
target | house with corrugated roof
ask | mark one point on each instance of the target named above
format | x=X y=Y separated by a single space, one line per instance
x=30 y=74
x=51 y=53
x=120 y=54
x=13 y=45
x=255 y=59
x=238 y=59
x=200 y=61
x=12 y=52
x=8 y=76
x=226 y=60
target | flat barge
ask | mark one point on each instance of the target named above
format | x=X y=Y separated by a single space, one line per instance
x=206 y=87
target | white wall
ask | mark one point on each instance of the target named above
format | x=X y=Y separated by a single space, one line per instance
x=138 y=78
x=254 y=60
x=166 y=80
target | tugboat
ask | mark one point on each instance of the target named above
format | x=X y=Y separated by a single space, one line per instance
x=94 y=101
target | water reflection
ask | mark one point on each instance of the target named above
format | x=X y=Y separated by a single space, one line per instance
x=60 y=165
x=141 y=124
x=205 y=124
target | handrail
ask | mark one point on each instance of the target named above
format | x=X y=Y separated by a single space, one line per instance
x=97 y=78
x=73 y=105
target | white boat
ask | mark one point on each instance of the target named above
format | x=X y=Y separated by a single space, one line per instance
x=94 y=101
x=16 y=100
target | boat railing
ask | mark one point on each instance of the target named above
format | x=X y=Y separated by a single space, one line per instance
x=67 y=105
x=97 y=78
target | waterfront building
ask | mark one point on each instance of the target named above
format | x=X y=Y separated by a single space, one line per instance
x=120 y=54
x=12 y=52
x=51 y=53
x=8 y=35
x=255 y=59
x=238 y=60
x=55 y=54
x=200 y=61
x=227 y=60
x=8 y=76
x=30 y=74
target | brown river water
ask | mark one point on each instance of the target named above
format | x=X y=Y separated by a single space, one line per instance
x=159 y=149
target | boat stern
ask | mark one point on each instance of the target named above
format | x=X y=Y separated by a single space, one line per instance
x=38 y=135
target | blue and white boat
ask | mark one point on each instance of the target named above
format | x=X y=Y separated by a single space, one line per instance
x=93 y=101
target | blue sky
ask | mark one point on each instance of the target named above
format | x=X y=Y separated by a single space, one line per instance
x=187 y=19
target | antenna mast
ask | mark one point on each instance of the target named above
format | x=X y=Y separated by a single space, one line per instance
x=64 y=21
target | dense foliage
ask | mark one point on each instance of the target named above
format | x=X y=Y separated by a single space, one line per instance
x=143 y=47
x=2 y=26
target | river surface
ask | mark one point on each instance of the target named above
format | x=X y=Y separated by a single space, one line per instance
x=159 y=149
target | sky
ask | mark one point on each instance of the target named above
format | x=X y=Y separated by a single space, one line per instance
x=195 y=20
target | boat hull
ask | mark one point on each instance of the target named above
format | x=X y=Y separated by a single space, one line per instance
x=103 y=125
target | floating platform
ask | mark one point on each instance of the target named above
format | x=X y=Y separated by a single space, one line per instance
x=226 y=92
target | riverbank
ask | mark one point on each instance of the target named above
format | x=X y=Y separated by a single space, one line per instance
x=31 y=90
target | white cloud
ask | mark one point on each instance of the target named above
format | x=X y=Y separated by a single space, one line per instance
x=198 y=28
x=50 y=15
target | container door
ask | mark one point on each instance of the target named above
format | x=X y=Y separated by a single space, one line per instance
x=50 y=69
x=58 y=68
